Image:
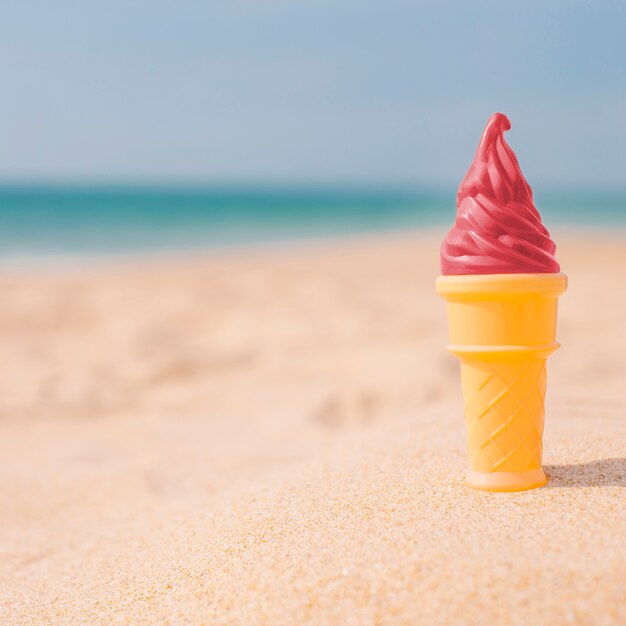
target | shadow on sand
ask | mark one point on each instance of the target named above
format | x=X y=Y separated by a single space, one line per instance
x=608 y=472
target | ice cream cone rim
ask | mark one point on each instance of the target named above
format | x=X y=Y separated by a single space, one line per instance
x=500 y=286
x=502 y=353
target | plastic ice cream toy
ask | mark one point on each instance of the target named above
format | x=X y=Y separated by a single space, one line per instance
x=501 y=283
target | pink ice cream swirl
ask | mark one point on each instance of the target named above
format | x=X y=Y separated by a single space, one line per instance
x=498 y=230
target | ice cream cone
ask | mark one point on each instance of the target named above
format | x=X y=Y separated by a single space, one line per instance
x=502 y=328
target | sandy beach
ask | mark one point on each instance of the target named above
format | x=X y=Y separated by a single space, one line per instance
x=276 y=437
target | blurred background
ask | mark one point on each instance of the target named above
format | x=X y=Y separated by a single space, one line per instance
x=148 y=126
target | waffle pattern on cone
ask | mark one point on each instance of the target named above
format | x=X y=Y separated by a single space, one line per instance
x=504 y=414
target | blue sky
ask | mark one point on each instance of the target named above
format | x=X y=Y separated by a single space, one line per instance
x=367 y=92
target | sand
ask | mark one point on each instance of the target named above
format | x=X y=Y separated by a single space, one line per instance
x=276 y=437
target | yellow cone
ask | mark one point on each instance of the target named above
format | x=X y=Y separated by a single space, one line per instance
x=502 y=328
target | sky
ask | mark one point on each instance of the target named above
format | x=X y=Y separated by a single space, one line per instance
x=386 y=92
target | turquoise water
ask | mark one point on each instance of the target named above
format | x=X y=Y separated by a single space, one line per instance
x=77 y=221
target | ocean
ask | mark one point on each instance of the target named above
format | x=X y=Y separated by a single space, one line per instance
x=78 y=221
